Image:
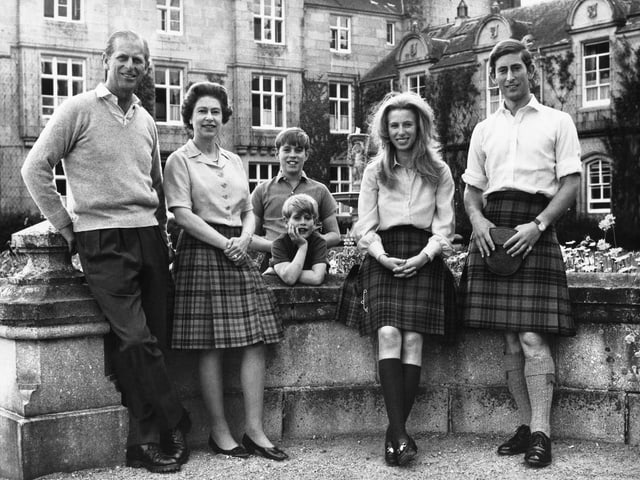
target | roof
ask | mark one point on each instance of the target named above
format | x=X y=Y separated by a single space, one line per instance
x=371 y=6
x=453 y=44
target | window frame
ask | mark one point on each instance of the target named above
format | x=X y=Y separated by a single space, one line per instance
x=599 y=102
x=255 y=178
x=69 y=78
x=340 y=185
x=335 y=30
x=492 y=87
x=168 y=9
x=335 y=102
x=54 y=5
x=421 y=84
x=273 y=19
x=277 y=97
x=601 y=185
x=169 y=89
x=391 y=33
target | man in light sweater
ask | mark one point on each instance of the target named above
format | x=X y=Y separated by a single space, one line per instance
x=116 y=220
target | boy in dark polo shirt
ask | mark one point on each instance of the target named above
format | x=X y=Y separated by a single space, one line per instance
x=300 y=254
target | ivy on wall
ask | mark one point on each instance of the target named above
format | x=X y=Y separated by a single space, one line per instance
x=556 y=71
x=146 y=92
x=314 y=119
x=453 y=95
x=623 y=143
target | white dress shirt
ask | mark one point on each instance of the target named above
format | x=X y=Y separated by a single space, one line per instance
x=528 y=152
x=411 y=201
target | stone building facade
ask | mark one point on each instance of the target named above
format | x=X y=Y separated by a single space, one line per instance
x=259 y=49
x=583 y=33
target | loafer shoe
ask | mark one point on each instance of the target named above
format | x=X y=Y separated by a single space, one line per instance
x=406 y=451
x=539 y=451
x=174 y=441
x=272 y=453
x=151 y=457
x=238 y=452
x=517 y=444
x=390 y=456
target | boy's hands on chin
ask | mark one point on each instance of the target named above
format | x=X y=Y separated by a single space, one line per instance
x=295 y=236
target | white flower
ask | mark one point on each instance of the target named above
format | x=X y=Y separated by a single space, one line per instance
x=630 y=338
x=602 y=245
x=607 y=222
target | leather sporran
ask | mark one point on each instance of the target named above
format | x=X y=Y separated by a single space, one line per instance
x=500 y=262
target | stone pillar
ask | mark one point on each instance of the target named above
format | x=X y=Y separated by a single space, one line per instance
x=58 y=410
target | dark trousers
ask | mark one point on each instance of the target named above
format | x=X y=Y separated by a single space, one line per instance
x=127 y=273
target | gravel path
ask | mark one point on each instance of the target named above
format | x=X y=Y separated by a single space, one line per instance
x=441 y=457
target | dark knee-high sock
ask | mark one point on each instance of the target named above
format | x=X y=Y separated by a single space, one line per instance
x=390 y=371
x=411 y=380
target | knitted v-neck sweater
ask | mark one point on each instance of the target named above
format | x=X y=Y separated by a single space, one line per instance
x=114 y=177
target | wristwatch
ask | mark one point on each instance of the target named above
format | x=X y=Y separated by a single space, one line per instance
x=541 y=226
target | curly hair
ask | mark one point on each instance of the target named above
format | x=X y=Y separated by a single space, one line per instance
x=204 y=89
x=426 y=159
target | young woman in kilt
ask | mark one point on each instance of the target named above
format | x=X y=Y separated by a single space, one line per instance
x=523 y=172
x=406 y=221
x=221 y=300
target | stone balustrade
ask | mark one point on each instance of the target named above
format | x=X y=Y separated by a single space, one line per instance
x=58 y=411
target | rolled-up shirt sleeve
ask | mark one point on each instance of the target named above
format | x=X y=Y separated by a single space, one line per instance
x=567 y=149
x=475 y=173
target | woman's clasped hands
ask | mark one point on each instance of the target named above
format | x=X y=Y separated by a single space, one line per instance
x=236 y=248
x=404 y=267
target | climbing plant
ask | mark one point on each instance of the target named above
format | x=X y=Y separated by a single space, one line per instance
x=146 y=92
x=314 y=119
x=453 y=96
x=557 y=74
x=623 y=143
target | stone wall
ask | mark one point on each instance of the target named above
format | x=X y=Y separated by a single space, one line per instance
x=321 y=380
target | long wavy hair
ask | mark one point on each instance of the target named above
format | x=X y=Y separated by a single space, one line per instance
x=425 y=156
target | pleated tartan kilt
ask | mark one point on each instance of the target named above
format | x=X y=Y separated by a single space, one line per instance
x=219 y=303
x=536 y=297
x=424 y=303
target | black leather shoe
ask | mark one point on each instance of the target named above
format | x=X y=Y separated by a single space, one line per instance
x=390 y=457
x=238 y=452
x=174 y=441
x=149 y=456
x=517 y=444
x=406 y=451
x=539 y=451
x=272 y=453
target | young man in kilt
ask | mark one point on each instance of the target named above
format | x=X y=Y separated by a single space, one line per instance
x=523 y=172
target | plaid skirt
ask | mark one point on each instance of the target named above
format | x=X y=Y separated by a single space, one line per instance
x=536 y=297
x=219 y=303
x=424 y=303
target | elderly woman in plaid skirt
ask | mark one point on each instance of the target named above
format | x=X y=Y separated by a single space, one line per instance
x=523 y=172
x=221 y=300
x=406 y=221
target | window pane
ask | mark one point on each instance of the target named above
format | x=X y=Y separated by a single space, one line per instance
x=255 y=83
x=75 y=14
x=255 y=110
x=161 y=105
x=46 y=68
x=175 y=3
x=76 y=70
x=62 y=69
x=266 y=84
x=77 y=87
x=47 y=86
x=48 y=8
x=159 y=75
x=257 y=29
x=344 y=91
x=63 y=89
x=174 y=77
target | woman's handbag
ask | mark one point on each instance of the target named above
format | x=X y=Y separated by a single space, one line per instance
x=349 y=309
x=500 y=262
